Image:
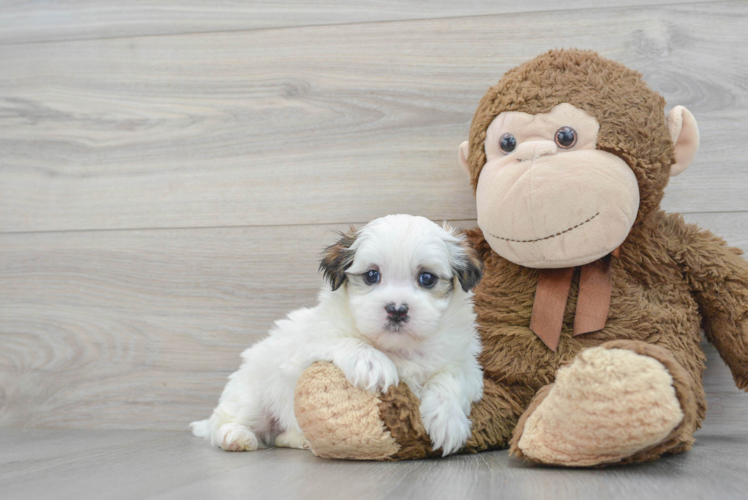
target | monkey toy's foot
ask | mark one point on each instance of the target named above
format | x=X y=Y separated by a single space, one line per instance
x=624 y=401
x=342 y=421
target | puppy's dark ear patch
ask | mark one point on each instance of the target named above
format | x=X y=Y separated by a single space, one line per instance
x=469 y=268
x=337 y=258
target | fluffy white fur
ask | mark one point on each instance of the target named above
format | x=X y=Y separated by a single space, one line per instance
x=434 y=351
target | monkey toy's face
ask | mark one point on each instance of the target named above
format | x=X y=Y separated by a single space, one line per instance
x=567 y=152
x=547 y=197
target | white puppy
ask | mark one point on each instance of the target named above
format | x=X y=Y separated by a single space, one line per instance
x=399 y=308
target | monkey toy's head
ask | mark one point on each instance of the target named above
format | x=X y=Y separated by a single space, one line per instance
x=566 y=153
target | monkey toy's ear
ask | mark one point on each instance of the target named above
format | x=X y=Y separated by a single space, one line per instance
x=462 y=155
x=685 y=135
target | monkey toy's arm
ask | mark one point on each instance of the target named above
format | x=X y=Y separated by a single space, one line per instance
x=718 y=276
x=341 y=421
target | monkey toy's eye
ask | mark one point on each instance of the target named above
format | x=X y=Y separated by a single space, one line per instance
x=427 y=280
x=566 y=137
x=507 y=143
x=371 y=277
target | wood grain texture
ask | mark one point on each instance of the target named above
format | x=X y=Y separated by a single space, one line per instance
x=326 y=124
x=22 y=22
x=133 y=329
x=139 y=329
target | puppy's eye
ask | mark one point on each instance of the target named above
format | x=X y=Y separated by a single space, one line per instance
x=427 y=280
x=371 y=277
x=566 y=137
x=507 y=143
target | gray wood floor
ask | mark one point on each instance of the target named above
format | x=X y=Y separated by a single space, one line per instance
x=74 y=464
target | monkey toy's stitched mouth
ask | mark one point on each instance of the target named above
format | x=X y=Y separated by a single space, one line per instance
x=546 y=237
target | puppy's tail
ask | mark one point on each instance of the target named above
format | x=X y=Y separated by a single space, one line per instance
x=201 y=428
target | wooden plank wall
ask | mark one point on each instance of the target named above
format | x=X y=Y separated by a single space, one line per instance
x=169 y=173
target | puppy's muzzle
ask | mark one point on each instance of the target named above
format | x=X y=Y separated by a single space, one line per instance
x=397 y=314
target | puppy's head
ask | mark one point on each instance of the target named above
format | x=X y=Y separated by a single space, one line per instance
x=401 y=274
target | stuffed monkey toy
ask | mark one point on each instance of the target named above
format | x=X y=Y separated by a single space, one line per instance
x=593 y=300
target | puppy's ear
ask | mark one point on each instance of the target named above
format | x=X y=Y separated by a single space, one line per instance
x=471 y=272
x=337 y=258
x=466 y=264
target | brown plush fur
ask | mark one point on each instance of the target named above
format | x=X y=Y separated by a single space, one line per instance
x=399 y=408
x=671 y=280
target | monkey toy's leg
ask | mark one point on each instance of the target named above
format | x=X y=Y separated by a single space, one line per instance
x=341 y=421
x=567 y=424
x=623 y=401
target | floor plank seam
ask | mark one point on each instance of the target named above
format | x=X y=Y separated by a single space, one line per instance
x=260 y=226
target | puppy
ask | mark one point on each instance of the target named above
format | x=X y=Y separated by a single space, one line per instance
x=399 y=308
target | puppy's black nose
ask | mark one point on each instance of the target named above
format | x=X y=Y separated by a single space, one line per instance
x=395 y=313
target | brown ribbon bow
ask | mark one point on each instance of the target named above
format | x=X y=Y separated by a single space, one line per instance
x=593 y=302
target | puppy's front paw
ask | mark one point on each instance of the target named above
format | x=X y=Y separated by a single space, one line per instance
x=368 y=369
x=445 y=422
